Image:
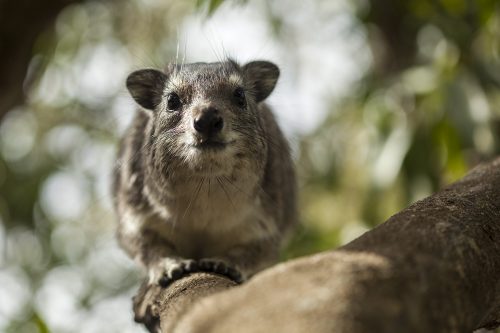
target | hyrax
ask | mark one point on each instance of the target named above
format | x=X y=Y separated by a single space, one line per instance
x=204 y=179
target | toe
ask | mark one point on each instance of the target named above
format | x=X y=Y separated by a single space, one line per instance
x=191 y=266
x=164 y=281
x=176 y=273
x=220 y=268
x=234 y=274
x=206 y=265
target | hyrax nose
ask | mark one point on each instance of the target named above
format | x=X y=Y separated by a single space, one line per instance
x=208 y=122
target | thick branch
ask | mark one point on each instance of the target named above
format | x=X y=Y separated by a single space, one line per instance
x=159 y=308
x=434 y=267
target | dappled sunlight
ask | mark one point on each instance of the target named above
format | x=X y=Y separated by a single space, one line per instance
x=371 y=133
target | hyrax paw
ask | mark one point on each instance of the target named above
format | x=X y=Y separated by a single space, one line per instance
x=170 y=270
x=220 y=267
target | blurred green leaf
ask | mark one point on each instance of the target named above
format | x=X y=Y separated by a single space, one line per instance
x=41 y=325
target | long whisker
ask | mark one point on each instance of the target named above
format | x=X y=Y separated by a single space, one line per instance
x=225 y=191
x=230 y=182
x=193 y=198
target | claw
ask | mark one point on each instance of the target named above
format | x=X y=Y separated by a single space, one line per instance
x=171 y=270
x=164 y=281
x=220 y=267
x=206 y=265
x=234 y=275
x=192 y=267
x=176 y=273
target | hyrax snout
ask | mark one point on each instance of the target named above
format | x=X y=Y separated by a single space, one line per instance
x=207 y=123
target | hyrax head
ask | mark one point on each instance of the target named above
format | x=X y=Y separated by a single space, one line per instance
x=205 y=115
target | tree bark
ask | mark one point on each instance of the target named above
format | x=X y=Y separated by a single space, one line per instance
x=159 y=308
x=433 y=267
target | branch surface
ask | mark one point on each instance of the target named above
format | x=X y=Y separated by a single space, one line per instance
x=433 y=267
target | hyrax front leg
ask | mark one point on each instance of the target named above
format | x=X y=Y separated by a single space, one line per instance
x=168 y=267
x=163 y=266
x=157 y=255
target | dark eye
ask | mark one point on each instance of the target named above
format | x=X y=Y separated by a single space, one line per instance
x=173 y=102
x=239 y=97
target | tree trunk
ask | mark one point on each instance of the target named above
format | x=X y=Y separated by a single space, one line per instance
x=434 y=267
x=21 y=23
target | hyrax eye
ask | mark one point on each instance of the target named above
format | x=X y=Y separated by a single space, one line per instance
x=239 y=96
x=173 y=102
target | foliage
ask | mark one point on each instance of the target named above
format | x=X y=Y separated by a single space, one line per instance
x=407 y=131
x=420 y=113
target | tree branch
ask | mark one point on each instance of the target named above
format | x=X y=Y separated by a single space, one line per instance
x=434 y=267
x=159 y=308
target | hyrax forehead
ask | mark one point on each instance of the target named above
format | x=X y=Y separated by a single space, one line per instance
x=254 y=81
x=201 y=77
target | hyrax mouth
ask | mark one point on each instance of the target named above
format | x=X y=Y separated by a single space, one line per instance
x=212 y=145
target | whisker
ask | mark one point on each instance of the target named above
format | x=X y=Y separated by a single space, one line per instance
x=225 y=191
x=236 y=187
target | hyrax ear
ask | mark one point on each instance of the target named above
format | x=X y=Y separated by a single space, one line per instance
x=146 y=87
x=262 y=77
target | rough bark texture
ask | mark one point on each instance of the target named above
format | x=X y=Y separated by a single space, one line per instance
x=434 y=267
x=160 y=309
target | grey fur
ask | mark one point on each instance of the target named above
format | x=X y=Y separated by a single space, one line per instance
x=178 y=202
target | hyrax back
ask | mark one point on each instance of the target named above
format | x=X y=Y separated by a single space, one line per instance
x=204 y=179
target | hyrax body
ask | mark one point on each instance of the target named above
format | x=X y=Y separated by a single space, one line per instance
x=204 y=179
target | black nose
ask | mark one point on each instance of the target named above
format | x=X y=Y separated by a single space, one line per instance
x=208 y=123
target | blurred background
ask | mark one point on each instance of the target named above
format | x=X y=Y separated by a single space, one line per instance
x=384 y=103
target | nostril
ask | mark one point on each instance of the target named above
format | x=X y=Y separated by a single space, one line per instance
x=217 y=124
x=208 y=123
x=199 y=124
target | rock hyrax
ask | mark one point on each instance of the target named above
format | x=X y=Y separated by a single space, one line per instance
x=204 y=179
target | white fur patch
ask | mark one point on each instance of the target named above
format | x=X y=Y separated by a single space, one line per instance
x=174 y=82
x=132 y=180
x=131 y=223
x=235 y=79
x=157 y=206
x=186 y=139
